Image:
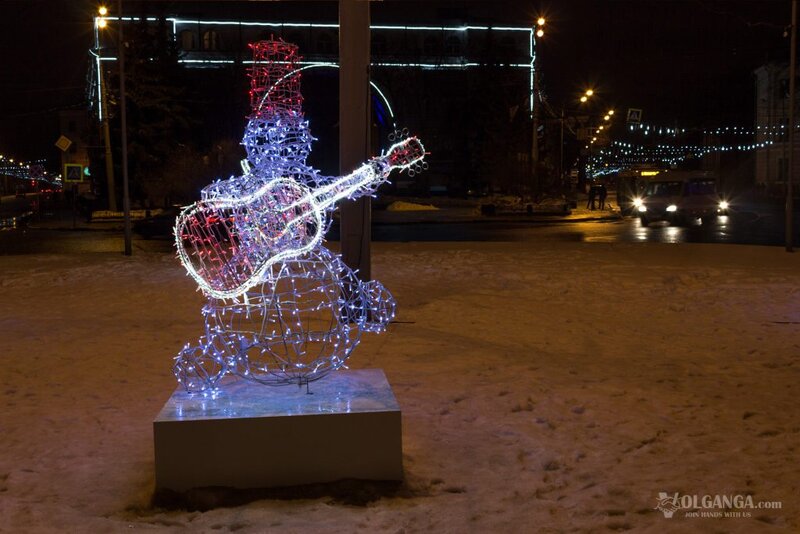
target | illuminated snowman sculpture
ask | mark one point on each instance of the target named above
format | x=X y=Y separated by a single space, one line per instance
x=281 y=309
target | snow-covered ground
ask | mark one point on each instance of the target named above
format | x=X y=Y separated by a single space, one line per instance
x=399 y=205
x=544 y=387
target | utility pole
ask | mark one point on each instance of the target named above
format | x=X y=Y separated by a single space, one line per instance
x=354 y=125
x=535 y=133
x=790 y=173
x=561 y=152
x=126 y=201
x=537 y=180
x=112 y=197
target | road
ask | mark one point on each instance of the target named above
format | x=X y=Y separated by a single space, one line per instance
x=744 y=228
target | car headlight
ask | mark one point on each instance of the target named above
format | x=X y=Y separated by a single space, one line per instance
x=723 y=205
x=637 y=202
x=672 y=207
x=642 y=207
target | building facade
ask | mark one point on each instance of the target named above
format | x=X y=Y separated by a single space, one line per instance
x=772 y=127
x=455 y=85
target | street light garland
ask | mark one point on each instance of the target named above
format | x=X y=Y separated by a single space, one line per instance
x=759 y=129
x=620 y=153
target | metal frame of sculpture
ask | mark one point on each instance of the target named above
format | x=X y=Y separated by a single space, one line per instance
x=281 y=309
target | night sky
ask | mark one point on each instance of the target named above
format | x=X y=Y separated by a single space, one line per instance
x=43 y=51
x=687 y=61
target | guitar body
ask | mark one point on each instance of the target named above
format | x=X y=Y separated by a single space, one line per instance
x=227 y=244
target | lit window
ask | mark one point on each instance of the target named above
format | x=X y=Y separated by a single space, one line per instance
x=210 y=40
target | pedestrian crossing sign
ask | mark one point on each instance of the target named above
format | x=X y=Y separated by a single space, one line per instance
x=73 y=172
x=634 y=116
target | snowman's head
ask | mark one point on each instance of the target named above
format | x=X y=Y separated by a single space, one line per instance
x=278 y=144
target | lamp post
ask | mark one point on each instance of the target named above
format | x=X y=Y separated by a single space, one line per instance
x=126 y=201
x=790 y=174
x=535 y=111
x=606 y=126
x=561 y=152
x=102 y=23
x=583 y=99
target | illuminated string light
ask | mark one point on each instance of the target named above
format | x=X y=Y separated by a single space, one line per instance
x=763 y=130
x=194 y=23
x=22 y=169
x=282 y=308
x=623 y=153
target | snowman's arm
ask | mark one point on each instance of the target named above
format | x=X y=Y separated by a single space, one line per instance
x=365 y=180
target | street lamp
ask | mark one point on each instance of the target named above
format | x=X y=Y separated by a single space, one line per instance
x=584 y=98
x=126 y=199
x=535 y=112
x=112 y=198
x=126 y=203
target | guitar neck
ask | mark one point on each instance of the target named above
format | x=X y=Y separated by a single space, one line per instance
x=369 y=176
x=363 y=180
x=366 y=178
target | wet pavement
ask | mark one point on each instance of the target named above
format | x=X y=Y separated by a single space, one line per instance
x=63 y=232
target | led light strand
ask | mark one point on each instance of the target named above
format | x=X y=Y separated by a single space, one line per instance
x=282 y=309
x=628 y=153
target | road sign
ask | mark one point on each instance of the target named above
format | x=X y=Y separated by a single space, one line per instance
x=73 y=172
x=634 y=116
x=63 y=143
x=36 y=171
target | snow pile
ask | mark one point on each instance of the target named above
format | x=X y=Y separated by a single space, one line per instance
x=399 y=205
x=506 y=201
x=135 y=214
x=544 y=387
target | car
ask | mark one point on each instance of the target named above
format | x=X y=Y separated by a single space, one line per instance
x=630 y=185
x=681 y=198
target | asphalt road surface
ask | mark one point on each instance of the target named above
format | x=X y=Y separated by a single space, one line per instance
x=746 y=228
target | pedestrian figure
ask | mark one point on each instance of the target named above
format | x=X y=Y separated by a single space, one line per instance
x=603 y=193
x=592 y=193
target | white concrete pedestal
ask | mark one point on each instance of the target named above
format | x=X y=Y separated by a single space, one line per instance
x=256 y=436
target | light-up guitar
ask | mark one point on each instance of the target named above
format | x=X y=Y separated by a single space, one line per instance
x=228 y=243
